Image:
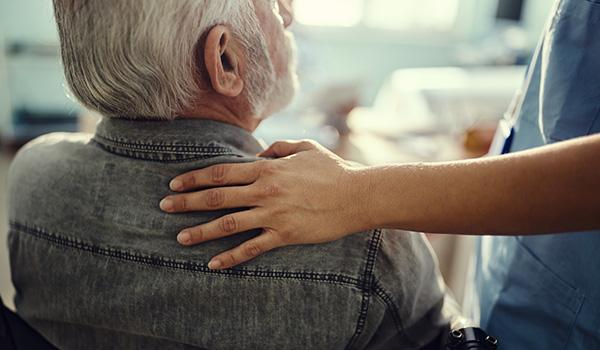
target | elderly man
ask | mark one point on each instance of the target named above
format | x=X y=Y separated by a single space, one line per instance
x=181 y=85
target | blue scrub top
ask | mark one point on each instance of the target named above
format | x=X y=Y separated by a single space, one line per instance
x=543 y=292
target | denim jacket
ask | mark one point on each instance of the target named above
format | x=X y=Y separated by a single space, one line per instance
x=96 y=264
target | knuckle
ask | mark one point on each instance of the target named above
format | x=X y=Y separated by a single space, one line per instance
x=228 y=224
x=283 y=235
x=280 y=212
x=231 y=259
x=251 y=250
x=189 y=181
x=181 y=203
x=267 y=168
x=217 y=174
x=215 y=198
x=197 y=235
x=309 y=144
x=271 y=190
x=279 y=146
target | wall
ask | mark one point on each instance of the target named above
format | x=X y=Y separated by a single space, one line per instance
x=5 y=105
x=367 y=57
x=536 y=16
x=30 y=80
x=30 y=20
x=351 y=55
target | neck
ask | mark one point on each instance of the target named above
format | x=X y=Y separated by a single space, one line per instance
x=224 y=113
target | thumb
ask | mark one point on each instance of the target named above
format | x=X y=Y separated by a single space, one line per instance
x=282 y=149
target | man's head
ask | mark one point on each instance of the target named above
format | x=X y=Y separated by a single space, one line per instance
x=172 y=58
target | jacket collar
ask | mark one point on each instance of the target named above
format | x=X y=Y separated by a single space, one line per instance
x=194 y=137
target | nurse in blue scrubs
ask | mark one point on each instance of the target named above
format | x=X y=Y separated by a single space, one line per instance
x=535 y=200
x=543 y=292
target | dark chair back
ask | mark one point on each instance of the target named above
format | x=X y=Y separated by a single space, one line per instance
x=16 y=334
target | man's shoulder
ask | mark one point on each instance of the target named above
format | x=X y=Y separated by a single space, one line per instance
x=41 y=163
x=49 y=148
x=58 y=139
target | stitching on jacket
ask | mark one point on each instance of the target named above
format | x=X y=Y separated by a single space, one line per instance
x=367 y=287
x=387 y=299
x=184 y=148
x=160 y=261
x=157 y=156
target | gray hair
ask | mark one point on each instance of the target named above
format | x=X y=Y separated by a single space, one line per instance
x=139 y=58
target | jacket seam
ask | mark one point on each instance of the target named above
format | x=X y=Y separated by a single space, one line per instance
x=151 y=155
x=165 y=149
x=114 y=146
x=391 y=305
x=184 y=265
x=367 y=287
x=161 y=147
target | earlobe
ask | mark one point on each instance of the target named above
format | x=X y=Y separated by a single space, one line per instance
x=222 y=62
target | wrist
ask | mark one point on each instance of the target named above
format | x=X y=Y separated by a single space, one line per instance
x=363 y=181
x=389 y=196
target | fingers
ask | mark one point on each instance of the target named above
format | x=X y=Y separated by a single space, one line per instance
x=282 y=149
x=245 y=252
x=211 y=199
x=225 y=226
x=217 y=175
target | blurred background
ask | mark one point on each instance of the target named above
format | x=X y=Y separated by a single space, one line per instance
x=383 y=81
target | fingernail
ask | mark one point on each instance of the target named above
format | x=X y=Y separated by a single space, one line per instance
x=184 y=237
x=214 y=264
x=176 y=185
x=166 y=204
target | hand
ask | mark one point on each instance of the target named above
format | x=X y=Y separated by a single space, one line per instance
x=308 y=196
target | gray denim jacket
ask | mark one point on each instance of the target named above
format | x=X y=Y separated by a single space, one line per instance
x=96 y=264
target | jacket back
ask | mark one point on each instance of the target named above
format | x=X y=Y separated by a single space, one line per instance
x=96 y=263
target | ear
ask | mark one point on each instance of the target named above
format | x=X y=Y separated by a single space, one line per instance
x=223 y=62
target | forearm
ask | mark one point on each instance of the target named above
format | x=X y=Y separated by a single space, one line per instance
x=550 y=189
x=308 y=195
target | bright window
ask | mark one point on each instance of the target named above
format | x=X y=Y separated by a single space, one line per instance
x=339 y=13
x=408 y=15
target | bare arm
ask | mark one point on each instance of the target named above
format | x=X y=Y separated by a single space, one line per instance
x=310 y=195
x=550 y=189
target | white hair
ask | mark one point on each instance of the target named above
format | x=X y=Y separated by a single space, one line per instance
x=141 y=59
